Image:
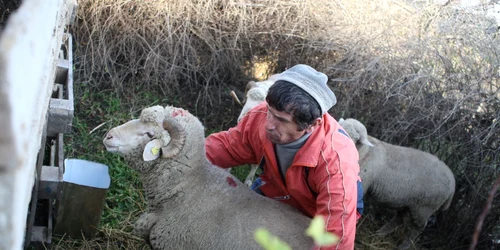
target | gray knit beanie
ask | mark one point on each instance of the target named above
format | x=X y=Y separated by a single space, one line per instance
x=311 y=81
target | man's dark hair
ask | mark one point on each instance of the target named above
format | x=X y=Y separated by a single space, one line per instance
x=287 y=97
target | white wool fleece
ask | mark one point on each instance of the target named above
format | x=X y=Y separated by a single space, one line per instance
x=153 y=114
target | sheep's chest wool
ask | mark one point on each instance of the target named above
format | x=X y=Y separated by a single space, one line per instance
x=191 y=203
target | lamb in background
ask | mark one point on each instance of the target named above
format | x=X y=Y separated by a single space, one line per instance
x=255 y=93
x=192 y=204
x=412 y=181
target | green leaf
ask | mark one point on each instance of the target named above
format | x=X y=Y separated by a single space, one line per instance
x=316 y=230
x=269 y=241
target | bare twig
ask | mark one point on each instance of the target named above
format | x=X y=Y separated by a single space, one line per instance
x=485 y=212
x=97 y=127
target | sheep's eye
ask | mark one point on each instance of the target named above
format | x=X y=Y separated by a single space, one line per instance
x=150 y=134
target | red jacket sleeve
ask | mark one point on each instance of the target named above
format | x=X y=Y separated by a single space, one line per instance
x=336 y=181
x=336 y=201
x=232 y=148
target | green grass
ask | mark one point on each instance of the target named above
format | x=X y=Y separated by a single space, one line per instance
x=241 y=172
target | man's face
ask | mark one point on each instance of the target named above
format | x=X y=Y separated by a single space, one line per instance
x=281 y=128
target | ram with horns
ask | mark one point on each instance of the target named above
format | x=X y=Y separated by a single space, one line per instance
x=192 y=204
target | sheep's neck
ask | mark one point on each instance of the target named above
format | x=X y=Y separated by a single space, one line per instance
x=164 y=184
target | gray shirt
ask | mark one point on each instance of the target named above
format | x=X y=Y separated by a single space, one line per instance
x=286 y=152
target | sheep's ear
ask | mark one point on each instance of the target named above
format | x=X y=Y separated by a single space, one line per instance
x=250 y=85
x=152 y=150
x=367 y=142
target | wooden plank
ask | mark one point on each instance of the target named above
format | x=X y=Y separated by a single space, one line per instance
x=29 y=48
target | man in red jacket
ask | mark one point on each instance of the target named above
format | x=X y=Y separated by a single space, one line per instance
x=308 y=160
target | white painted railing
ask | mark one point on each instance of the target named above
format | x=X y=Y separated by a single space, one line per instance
x=29 y=48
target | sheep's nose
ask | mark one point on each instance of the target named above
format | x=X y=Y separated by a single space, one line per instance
x=109 y=137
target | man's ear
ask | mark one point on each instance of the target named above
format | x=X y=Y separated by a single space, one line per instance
x=316 y=123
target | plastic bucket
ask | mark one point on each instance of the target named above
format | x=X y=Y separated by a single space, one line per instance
x=78 y=212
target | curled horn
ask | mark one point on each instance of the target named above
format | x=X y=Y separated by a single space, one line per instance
x=235 y=97
x=178 y=138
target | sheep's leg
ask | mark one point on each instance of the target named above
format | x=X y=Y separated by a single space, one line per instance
x=419 y=217
x=251 y=175
x=396 y=221
x=143 y=225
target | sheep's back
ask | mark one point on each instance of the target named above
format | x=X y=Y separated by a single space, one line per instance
x=402 y=175
x=219 y=212
x=239 y=206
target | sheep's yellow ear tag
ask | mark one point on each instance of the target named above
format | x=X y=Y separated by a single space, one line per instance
x=152 y=150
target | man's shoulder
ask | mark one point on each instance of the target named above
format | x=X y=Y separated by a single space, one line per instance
x=261 y=106
x=339 y=137
x=258 y=112
x=338 y=140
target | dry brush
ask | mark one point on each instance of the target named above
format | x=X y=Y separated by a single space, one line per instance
x=421 y=76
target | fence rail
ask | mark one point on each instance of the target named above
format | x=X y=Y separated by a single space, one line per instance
x=29 y=50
